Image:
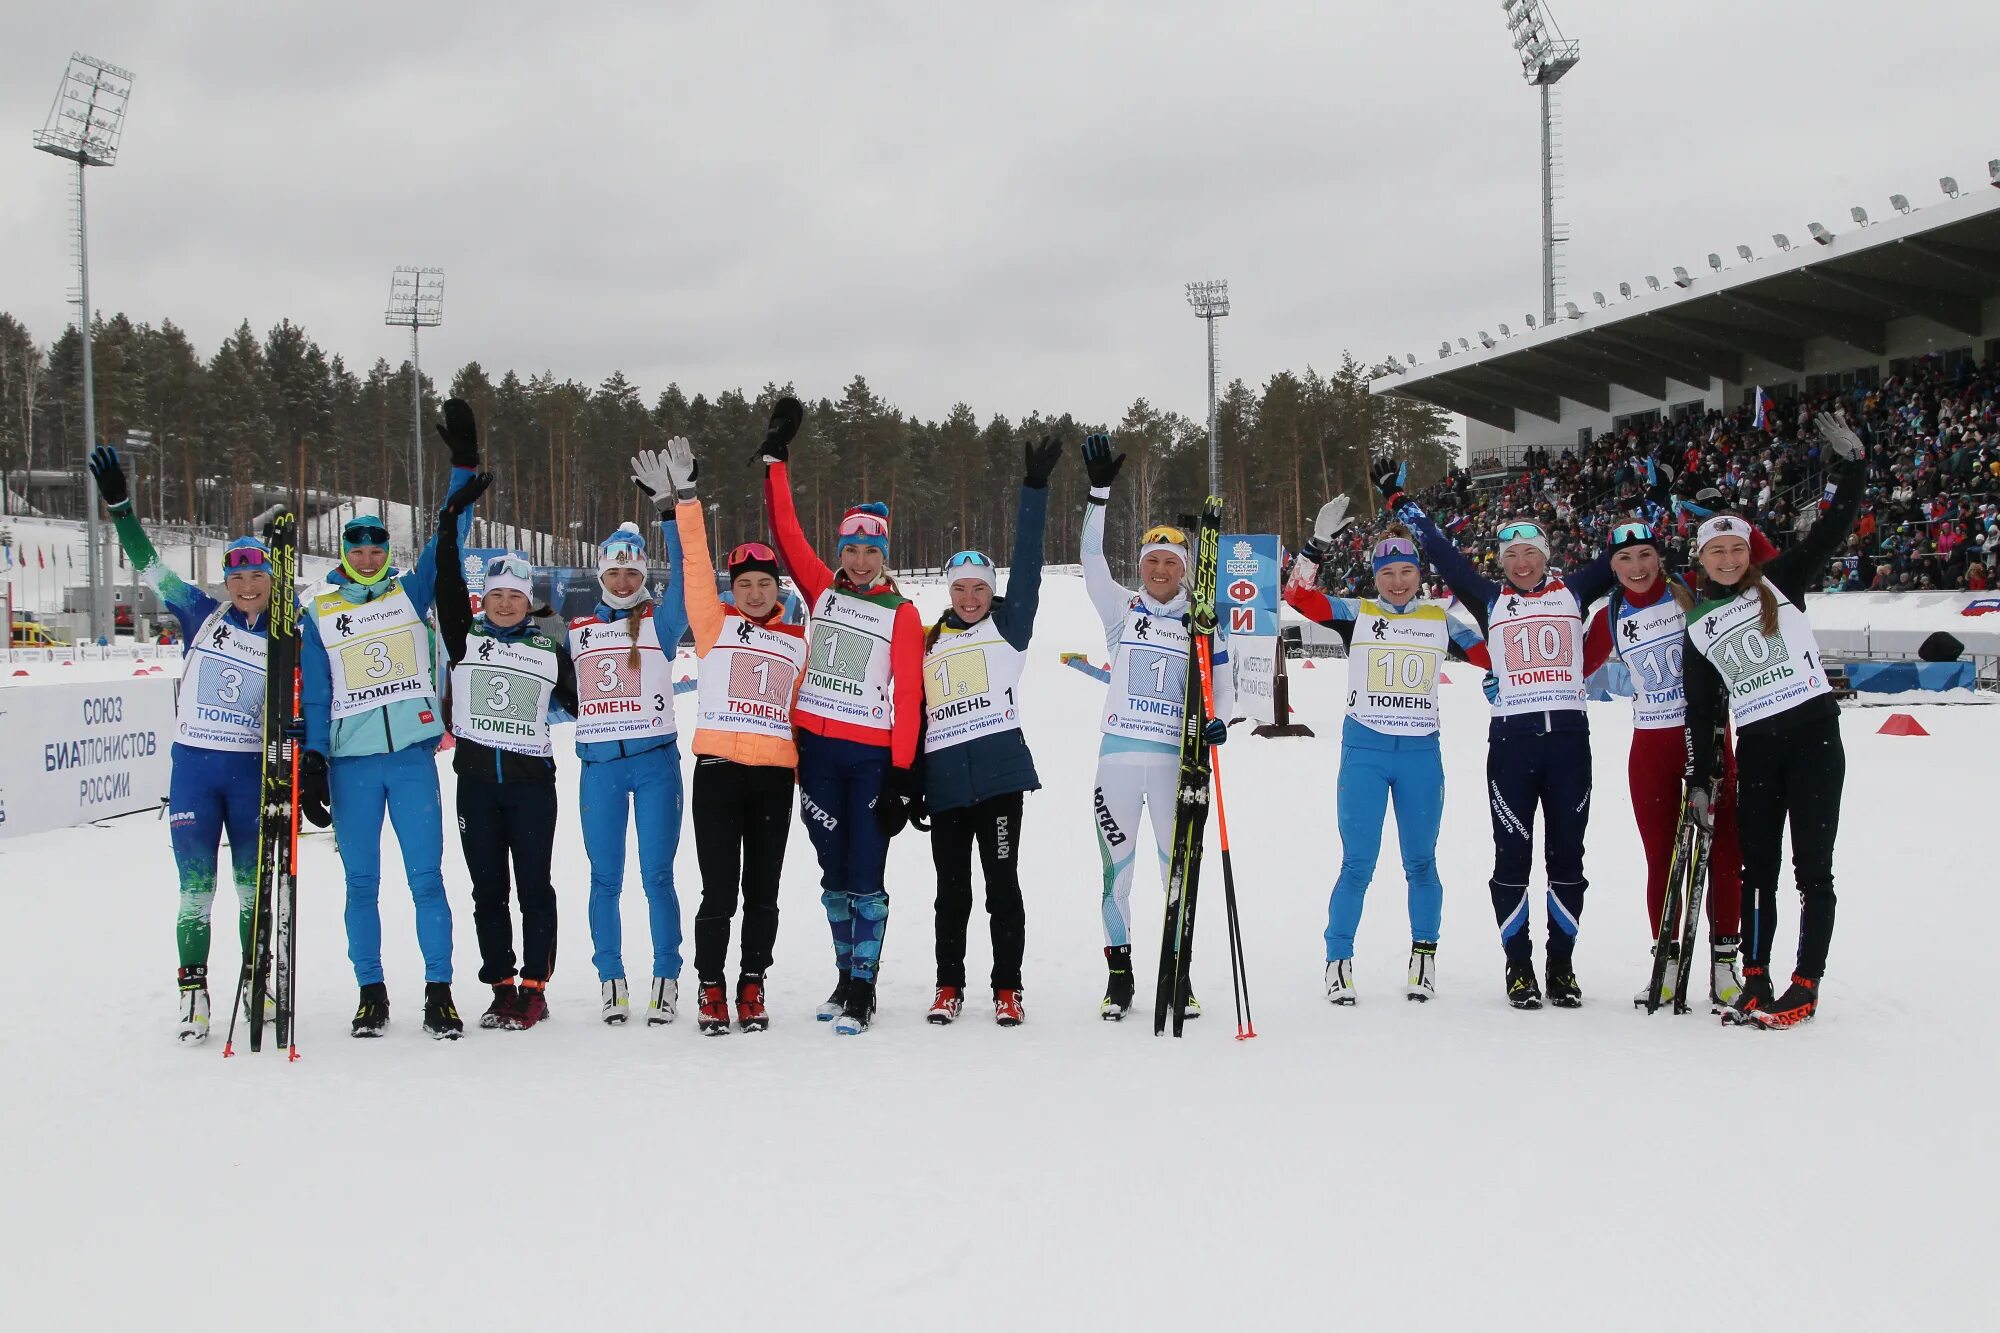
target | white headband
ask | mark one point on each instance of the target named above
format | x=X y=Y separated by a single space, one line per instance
x=1722 y=525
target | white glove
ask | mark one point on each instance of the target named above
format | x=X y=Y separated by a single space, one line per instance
x=656 y=473
x=682 y=466
x=1839 y=437
x=1331 y=520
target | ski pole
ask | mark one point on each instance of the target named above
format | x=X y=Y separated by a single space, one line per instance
x=292 y=898
x=1239 y=978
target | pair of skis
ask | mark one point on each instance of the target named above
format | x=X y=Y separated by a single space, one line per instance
x=1687 y=881
x=1199 y=773
x=274 y=908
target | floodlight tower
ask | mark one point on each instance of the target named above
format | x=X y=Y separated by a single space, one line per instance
x=84 y=126
x=416 y=301
x=1545 y=57
x=1211 y=302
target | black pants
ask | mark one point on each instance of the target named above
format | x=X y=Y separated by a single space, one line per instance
x=742 y=816
x=995 y=824
x=496 y=820
x=1795 y=774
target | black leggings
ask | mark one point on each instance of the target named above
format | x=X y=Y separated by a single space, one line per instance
x=742 y=816
x=1795 y=774
x=494 y=820
x=995 y=824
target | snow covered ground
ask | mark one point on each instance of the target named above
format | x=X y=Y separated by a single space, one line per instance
x=1452 y=1165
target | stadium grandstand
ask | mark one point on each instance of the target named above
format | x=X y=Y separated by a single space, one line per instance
x=1896 y=322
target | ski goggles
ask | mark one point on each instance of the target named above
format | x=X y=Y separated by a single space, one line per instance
x=364 y=534
x=746 y=552
x=1628 y=535
x=509 y=566
x=970 y=565
x=1164 y=534
x=246 y=559
x=1394 y=551
x=1522 y=532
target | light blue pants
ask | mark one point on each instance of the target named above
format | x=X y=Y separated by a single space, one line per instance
x=1374 y=768
x=651 y=781
x=405 y=784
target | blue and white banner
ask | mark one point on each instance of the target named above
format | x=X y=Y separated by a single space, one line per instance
x=1246 y=601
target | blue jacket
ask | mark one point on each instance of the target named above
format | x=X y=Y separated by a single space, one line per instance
x=670 y=622
x=403 y=722
x=997 y=763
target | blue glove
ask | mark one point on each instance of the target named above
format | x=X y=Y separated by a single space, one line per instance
x=1215 y=731
x=1492 y=687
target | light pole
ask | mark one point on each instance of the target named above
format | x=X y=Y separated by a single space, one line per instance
x=416 y=301
x=1545 y=57
x=84 y=126
x=1211 y=302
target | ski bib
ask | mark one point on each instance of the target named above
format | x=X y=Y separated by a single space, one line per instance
x=747 y=678
x=222 y=687
x=1765 y=674
x=972 y=682
x=1651 y=641
x=615 y=700
x=1392 y=667
x=500 y=693
x=378 y=651
x=847 y=664
x=1148 y=699
x=1536 y=643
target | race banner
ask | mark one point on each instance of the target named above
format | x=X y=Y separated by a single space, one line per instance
x=73 y=753
x=1246 y=602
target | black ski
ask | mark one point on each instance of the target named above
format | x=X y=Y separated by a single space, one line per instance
x=1697 y=880
x=1687 y=879
x=1191 y=794
x=277 y=820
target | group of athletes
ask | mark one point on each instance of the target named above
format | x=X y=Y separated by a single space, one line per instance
x=877 y=721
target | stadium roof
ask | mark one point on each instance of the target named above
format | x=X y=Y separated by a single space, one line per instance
x=1939 y=262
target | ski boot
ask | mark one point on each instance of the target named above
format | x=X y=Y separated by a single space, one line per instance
x=441 y=1018
x=1755 y=997
x=1564 y=993
x=617 y=1001
x=194 y=1006
x=372 y=1014
x=1792 y=1009
x=711 y=1013
x=665 y=1004
x=270 y=997
x=1724 y=985
x=829 y=1008
x=532 y=1007
x=1117 y=1001
x=1007 y=1010
x=950 y=1002
x=1522 y=990
x=1422 y=983
x=857 y=1011
x=1191 y=1007
x=750 y=1015
x=500 y=1013
x=1668 y=976
x=1340 y=981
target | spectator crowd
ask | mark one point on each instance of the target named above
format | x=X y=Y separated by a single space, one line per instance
x=1930 y=518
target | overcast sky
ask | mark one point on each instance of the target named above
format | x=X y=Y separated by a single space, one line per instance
x=997 y=203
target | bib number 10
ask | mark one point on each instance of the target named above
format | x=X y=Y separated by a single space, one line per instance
x=1543 y=645
x=1748 y=651
x=1400 y=671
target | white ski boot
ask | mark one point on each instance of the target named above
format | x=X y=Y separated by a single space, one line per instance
x=665 y=1006
x=1422 y=983
x=1725 y=984
x=1669 y=976
x=194 y=1015
x=617 y=1003
x=1340 y=981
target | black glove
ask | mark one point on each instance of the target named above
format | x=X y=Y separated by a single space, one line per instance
x=1215 y=731
x=315 y=801
x=1662 y=476
x=110 y=476
x=1388 y=478
x=460 y=432
x=787 y=415
x=461 y=499
x=901 y=803
x=1039 y=460
x=1100 y=462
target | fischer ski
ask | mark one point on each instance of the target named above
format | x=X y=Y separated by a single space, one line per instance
x=1680 y=908
x=277 y=820
x=1191 y=798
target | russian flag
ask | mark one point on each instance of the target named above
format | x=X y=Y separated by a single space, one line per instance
x=1763 y=405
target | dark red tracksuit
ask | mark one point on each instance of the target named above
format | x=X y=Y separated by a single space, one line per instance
x=1654 y=768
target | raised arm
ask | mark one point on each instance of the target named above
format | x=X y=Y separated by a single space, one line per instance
x=702 y=602
x=1015 y=618
x=1795 y=570
x=453 y=601
x=801 y=561
x=466 y=487
x=189 y=604
x=1472 y=588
